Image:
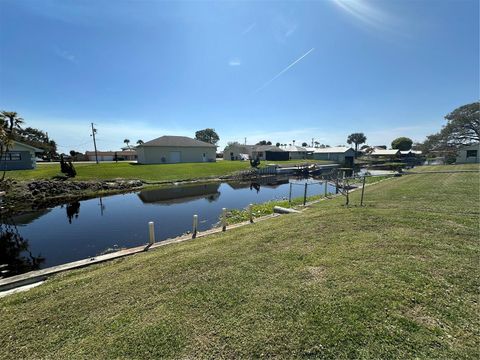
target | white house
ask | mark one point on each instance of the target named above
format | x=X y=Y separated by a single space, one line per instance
x=469 y=154
x=175 y=149
x=19 y=157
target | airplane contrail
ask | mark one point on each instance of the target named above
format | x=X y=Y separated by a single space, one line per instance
x=284 y=70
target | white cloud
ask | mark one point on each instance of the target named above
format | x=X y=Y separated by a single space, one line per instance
x=235 y=62
x=64 y=54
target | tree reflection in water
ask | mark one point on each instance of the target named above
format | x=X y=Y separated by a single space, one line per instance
x=255 y=186
x=15 y=257
x=73 y=209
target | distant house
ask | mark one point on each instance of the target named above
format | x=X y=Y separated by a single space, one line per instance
x=469 y=154
x=269 y=152
x=339 y=154
x=385 y=153
x=263 y=152
x=19 y=157
x=237 y=151
x=175 y=149
x=129 y=155
x=295 y=152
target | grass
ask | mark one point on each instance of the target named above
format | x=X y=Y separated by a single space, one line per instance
x=125 y=170
x=396 y=278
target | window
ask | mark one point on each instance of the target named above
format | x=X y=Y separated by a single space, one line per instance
x=12 y=156
x=471 y=153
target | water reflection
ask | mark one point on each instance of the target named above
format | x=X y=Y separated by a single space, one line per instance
x=181 y=194
x=73 y=210
x=15 y=256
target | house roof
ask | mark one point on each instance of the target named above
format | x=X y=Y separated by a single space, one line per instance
x=332 y=150
x=385 y=152
x=267 y=148
x=28 y=146
x=294 y=148
x=111 y=153
x=176 y=141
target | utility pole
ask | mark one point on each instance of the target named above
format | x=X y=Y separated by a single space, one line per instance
x=312 y=141
x=245 y=141
x=94 y=131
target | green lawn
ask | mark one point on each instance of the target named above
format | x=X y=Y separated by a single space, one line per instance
x=398 y=278
x=127 y=170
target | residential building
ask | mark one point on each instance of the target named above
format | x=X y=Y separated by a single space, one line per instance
x=468 y=154
x=338 y=154
x=295 y=152
x=263 y=152
x=19 y=157
x=129 y=155
x=175 y=149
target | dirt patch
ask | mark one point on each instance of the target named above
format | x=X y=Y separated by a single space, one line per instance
x=417 y=314
x=316 y=274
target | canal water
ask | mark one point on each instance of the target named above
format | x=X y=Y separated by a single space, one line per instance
x=88 y=228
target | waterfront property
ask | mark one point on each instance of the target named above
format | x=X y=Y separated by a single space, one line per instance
x=263 y=152
x=469 y=154
x=129 y=155
x=175 y=149
x=20 y=157
x=391 y=153
x=339 y=154
x=295 y=152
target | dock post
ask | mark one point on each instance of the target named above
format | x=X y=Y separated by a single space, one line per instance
x=305 y=195
x=250 y=212
x=195 y=225
x=326 y=188
x=151 y=233
x=224 y=219
x=363 y=191
x=290 y=194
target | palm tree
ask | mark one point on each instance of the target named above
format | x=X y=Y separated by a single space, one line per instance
x=9 y=125
x=126 y=141
x=357 y=139
x=140 y=142
x=10 y=121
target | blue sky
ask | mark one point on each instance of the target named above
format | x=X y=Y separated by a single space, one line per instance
x=279 y=71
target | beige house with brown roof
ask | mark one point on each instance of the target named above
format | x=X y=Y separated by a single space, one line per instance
x=175 y=149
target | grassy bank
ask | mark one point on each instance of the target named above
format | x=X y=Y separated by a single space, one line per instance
x=125 y=170
x=397 y=278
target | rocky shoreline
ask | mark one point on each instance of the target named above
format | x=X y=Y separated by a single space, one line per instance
x=24 y=196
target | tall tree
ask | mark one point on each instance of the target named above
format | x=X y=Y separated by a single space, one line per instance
x=463 y=127
x=357 y=139
x=463 y=124
x=207 y=135
x=140 y=142
x=127 y=141
x=9 y=125
x=304 y=144
x=402 y=143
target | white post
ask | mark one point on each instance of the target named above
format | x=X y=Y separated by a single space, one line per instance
x=195 y=225
x=250 y=212
x=151 y=231
x=326 y=187
x=224 y=219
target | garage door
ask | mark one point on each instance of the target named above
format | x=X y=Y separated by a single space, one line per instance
x=175 y=156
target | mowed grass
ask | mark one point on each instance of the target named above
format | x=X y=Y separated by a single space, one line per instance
x=126 y=170
x=397 y=278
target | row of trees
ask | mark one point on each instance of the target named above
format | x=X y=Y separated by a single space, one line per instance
x=462 y=128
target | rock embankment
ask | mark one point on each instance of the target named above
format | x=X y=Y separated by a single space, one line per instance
x=42 y=193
